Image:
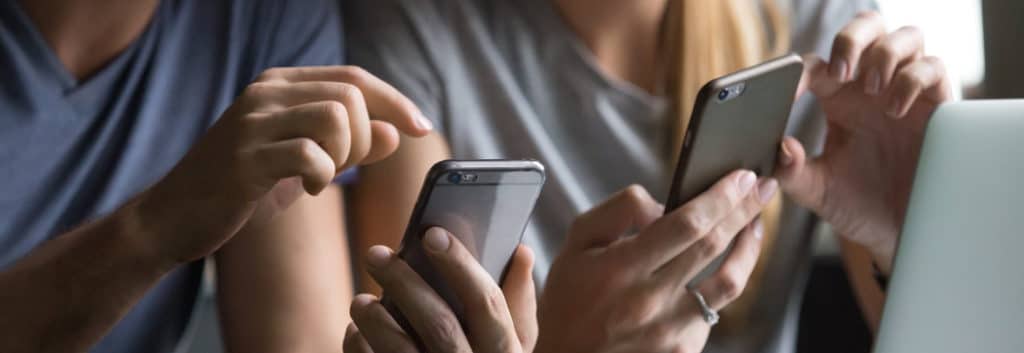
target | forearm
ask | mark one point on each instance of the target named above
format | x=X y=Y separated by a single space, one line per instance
x=386 y=194
x=860 y=269
x=68 y=293
x=286 y=286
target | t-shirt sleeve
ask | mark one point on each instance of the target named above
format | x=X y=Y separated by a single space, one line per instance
x=399 y=42
x=298 y=33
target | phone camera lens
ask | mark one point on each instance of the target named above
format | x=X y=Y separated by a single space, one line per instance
x=454 y=178
x=723 y=94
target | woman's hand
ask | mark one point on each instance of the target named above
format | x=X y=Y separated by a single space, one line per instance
x=620 y=283
x=878 y=92
x=499 y=320
x=291 y=131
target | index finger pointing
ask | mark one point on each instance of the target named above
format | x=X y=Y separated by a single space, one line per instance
x=383 y=101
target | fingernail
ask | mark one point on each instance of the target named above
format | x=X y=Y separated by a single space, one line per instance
x=838 y=70
x=746 y=182
x=873 y=85
x=758 y=229
x=378 y=256
x=362 y=300
x=787 y=157
x=767 y=190
x=436 y=240
x=425 y=122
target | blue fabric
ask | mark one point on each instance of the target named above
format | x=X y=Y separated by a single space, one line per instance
x=71 y=151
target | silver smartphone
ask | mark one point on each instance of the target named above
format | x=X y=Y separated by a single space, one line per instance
x=738 y=122
x=486 y=204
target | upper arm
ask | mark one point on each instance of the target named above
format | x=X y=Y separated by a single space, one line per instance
x=286 y=287
x=295 y=33
x=405 y=43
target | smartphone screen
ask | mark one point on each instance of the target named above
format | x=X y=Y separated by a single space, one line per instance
x=485 y=204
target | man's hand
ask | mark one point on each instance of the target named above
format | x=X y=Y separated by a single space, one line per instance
x=500 y=320
x=878 y=91
x=620 y=283
x=293 y=130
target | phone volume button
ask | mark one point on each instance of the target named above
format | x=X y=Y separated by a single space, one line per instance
x=687 y=138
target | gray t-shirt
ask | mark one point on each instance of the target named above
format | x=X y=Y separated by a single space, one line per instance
x=508 y=79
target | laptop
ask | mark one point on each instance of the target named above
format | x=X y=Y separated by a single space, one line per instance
x=958 y=278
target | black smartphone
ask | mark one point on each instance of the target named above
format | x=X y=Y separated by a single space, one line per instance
x=738 y=122
x=486 y=204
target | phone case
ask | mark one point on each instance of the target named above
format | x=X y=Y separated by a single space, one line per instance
x=736 y=130
x=467 y=212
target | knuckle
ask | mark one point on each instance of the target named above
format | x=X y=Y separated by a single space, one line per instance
x=270 y=74
x=335 y=115
x=689 y=222
x=307 y=150
x=246 y=125
x=491 y=301
x=635 y=194
x=731 y=284
x=909 y=80
x=712 y=245
x=350 y=94
x=886 y=51
x=257 y=90
x=443 y=329
x=354 y=74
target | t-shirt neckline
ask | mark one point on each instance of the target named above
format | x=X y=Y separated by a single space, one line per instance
x=553 y=19
x=67 y=87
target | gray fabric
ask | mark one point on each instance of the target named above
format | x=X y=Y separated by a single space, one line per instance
x=508 y=79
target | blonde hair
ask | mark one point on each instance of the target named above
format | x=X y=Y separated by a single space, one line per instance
x=705 y=39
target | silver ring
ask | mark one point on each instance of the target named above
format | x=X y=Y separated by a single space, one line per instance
x=710 y=315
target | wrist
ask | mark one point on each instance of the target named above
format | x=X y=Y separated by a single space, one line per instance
x=882 y=259
x=143 y=235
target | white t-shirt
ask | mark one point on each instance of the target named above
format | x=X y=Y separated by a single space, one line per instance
x=509 y=79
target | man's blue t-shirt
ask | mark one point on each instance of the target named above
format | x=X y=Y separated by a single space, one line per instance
x=75 y=150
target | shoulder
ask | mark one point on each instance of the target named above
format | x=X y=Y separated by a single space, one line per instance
x=249 y=36
x=252 y=12
x=815 y=22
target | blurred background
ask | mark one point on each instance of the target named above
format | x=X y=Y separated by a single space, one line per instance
x=978 y=40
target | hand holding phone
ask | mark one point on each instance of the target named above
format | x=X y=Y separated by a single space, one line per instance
x=485 y=204
x=738 y=122
x=497 y=319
